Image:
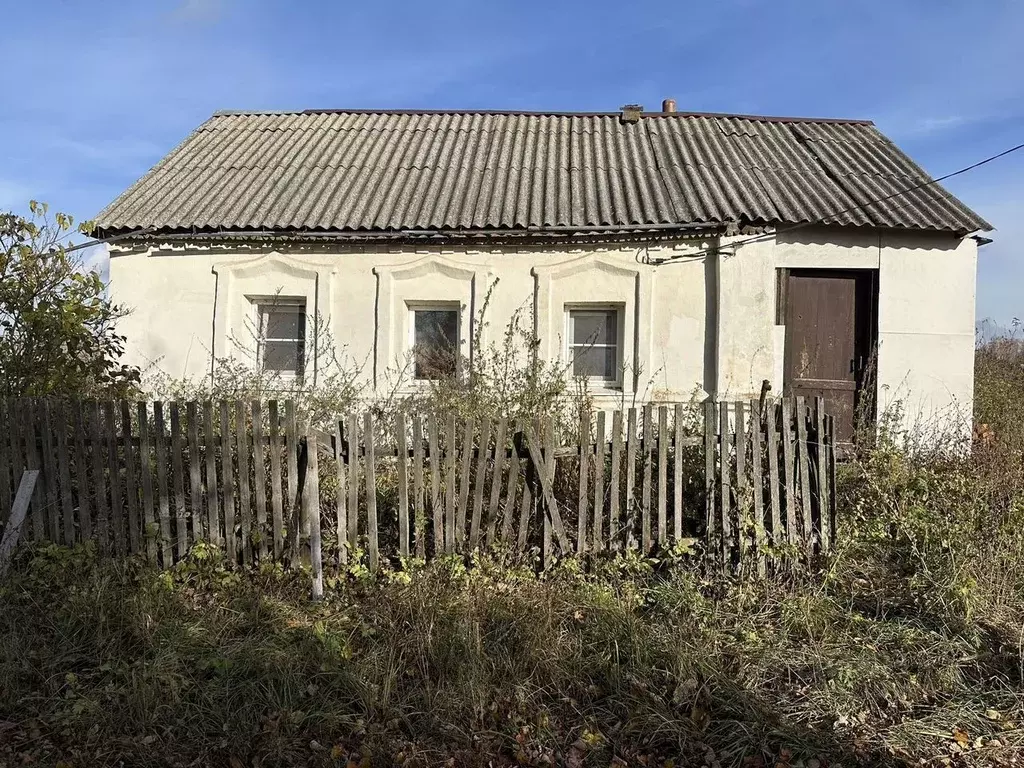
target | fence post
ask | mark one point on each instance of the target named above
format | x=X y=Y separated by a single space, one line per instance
x=311 y=502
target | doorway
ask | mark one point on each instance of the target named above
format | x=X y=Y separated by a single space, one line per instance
x=831 y=329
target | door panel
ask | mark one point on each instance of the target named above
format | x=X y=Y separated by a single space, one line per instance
x=829 y=335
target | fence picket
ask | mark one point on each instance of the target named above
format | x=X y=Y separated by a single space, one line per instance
x=774 y=479
x=14 y=440
x=244 y=490
x=353 y=480
x=259 y=460
x=511 y=490
x=468 y=429
x=228 y=483
x=114 y=469
x=662 y=475
x=821 y=464
x=479 y=485
x=150 y=530
x=311 y=500
x=81 y=472
x=758 y=482
x=371 y=494
x=419 y=514
x=631 y=437
x=615 y=523
x=449 y=486
x=34 y=461
x=403 y=484
x=162 y=490
x=788 y=454
x=677 y=472
x=436 y=508
x=341 y=494
x=64 y=469
x=709 y=470
x=130 y=478
x=212 y=511
x=294 y=522
x=178 y=473
x=195 y=478
x=599 y=454
x=805 y=469
x=276 y=484
x=50 y=483
x=740 y=434
x=497 y=473
x=645 y=493
x=723 y=467
x=6 y=464
x=582 y=502
x=99 y=481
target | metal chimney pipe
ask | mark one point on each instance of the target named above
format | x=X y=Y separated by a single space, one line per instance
x=668 y=105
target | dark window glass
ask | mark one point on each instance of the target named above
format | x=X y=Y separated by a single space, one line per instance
x=436 y=343
x=595 y=362
x=590 y=327
x=594 y=343
x=283 y=337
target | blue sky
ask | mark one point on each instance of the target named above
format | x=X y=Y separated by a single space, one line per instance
x=98 y=92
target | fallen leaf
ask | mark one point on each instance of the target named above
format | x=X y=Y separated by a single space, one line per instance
x=992 y=714
x=961 y=737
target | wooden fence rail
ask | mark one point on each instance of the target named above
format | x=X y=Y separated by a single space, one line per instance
x=752 y=481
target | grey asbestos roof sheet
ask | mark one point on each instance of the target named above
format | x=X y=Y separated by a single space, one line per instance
x=496 y=171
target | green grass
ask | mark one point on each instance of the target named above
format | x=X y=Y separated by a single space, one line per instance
x=651 y=664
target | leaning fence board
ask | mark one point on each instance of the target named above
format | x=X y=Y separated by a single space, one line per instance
x=789 y=462
x=615 y=524
x=17 y=517
x=724 y=459
x=259 y=460
x=99 y=480
x=581 y=501
x=51 y=491
x=758 y=481
x=662 y=475
x=599 y=453
x=709 y=469
x=468 y=428
x=130 y=479
x=371 y=495
x=435 y=483
x=341 y=495
x=294 y=523
x=677 y=473
x=162 y=488
x=497 y=473
x=195 y=479
x=804 y=459
x=774 y=479
x=645 y=493
x=403 y=484
x=244 y=490
x=276 y=486
x=449 y=485
x=353 y=479
x=64 y=469
x=512 y=485
x=631 y=479
x=178 y=472
x=150 y=530
x=545 y=477
x=821 y=465
x=228 y=483
x=479 y=485
x=419 y=513
x=212 y=510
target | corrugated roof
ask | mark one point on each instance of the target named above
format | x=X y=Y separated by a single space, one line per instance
x=480 y=172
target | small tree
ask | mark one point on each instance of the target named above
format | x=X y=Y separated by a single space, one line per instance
x=57 y=334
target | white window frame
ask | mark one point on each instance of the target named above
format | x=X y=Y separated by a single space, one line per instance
x=602 y=308
x=262 y=303
x=412 y=307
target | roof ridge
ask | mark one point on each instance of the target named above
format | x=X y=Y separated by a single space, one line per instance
x=542 y=113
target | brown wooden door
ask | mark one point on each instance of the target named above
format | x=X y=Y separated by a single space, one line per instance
x=830 y=324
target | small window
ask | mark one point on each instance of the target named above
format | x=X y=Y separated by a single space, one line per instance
x=595 y=343
x=435 y=341
x=282 y=336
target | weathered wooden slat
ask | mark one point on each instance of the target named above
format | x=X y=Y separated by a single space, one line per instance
x=466 y=455
x=774 y=478
x=294 y=518
x=371 y=495
x=741 y=475
x=511 y=488
x=228 y=483
x=30 y=431
x=81 y=473
x=117 y=516
x=178 y=477
x=51 y=489
x=497 y=475
x=646 y=479
x=210 y=444
x=449 y=486
x=244 y=489
x=261 y=530
x=353 y=430
x=599 y=456
x=479 y=485
x=545 y=474
x=6 y=481
x=615 y=522
x=67 y=508
x=311 y=500
x=436 y=505
x=19 y=509
x=150 y=530
x=131 y=480
x=757 y=480
x=677 y=472
x=724 y=461
x=419 y=513
x=789 y=459
x=631 y=438
x=709 y=469
x=662 y=475
x=526 y=507
x=582 y=500
x=163 y=493
x=341 y=494
x=547 y=447
x=276 y=480
x=99 y=480
x=820 y=452
x=17 y=449
x=195 y=476
x=830 y=428
x=403 y=483
x=806 y=468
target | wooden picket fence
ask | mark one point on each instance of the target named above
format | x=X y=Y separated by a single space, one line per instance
x=753 y=482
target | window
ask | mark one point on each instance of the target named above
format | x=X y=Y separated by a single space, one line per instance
x=434 y=335
x=594 y=335
x=282 y=336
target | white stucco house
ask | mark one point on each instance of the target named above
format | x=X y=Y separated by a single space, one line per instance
x=662 y=253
